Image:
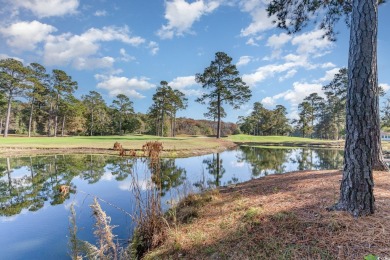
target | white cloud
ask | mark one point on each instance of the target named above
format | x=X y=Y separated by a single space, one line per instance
x=122 y=85
x=385 y=86
x=183 y=84
x=301 y=90
x=252 y=42
x=124 y=56
x=311 y=42
x=45 y=8
x=26 y=35
x=328 y=65
x=288 y=75
x=6 y=56
x=100 y=13
x=244 y=60
x=271 y=70
x=268 y=101
x=75 y=49
x=295 y=95
x=153 y=47
x=82 y=63
x=181 y=16
x=329 y=75
x=277 y=41
x=260 y=20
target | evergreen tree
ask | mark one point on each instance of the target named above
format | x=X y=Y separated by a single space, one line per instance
x=225 y=86
x=362 y=150
x=12 y=83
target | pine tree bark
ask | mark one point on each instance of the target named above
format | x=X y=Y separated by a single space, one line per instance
x=219 y=116
x=7 y=120
x=63 y=126
x=30 y=118
x=362 y=122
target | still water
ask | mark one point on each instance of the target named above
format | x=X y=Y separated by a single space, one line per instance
x=34 y=215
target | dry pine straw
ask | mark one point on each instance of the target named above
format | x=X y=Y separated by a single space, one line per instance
x=282 y=217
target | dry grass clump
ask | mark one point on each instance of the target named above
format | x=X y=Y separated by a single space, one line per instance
x=106 y=248
x=282 y=217
x=151 y=226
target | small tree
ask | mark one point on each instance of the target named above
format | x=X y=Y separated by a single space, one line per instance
x=225 y=86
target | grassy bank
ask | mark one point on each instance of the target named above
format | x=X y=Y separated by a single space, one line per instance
x=284 y=140
x=277 y=217
x=173 y=147
x=183 y=146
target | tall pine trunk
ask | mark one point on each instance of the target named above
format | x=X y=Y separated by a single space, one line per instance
x=49 y=120
x=7 y=120
x=91 y=123
x=56 y=116
x=63 y=126
x=30 y=119
x=120 y=124
x=362 y=113
x=219 y=116
x=1 y=125
x=162 y=123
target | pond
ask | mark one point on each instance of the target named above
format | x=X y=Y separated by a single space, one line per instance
x=34 y=214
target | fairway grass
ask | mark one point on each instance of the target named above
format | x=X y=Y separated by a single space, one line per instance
x=283 y=140
x=173 y=147
x=183 y=146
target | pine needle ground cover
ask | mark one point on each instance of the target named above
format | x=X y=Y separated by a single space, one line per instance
x=280 y=217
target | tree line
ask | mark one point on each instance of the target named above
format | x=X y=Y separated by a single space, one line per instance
x=34 y=101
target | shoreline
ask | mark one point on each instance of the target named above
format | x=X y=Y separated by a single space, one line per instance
x=223 y=145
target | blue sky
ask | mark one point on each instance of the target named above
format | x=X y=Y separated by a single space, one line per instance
x=118 y=46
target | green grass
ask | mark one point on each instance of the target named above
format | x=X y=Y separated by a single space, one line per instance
x=275 y=139
x=176 y=146
x=78 y=141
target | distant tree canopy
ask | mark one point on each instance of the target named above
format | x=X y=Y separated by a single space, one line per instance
x=167 y=102
x=264 y=121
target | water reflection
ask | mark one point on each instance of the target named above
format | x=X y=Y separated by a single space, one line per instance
x=30 y=195
x=27 y=183
x=265 y=161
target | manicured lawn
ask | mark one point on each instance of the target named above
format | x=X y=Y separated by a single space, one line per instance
x=178 y=146
x=79 y=141
x=275 y=139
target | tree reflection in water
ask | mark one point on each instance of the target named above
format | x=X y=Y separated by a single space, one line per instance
x=215 y=169
x=30 y=182
x=264 y=161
